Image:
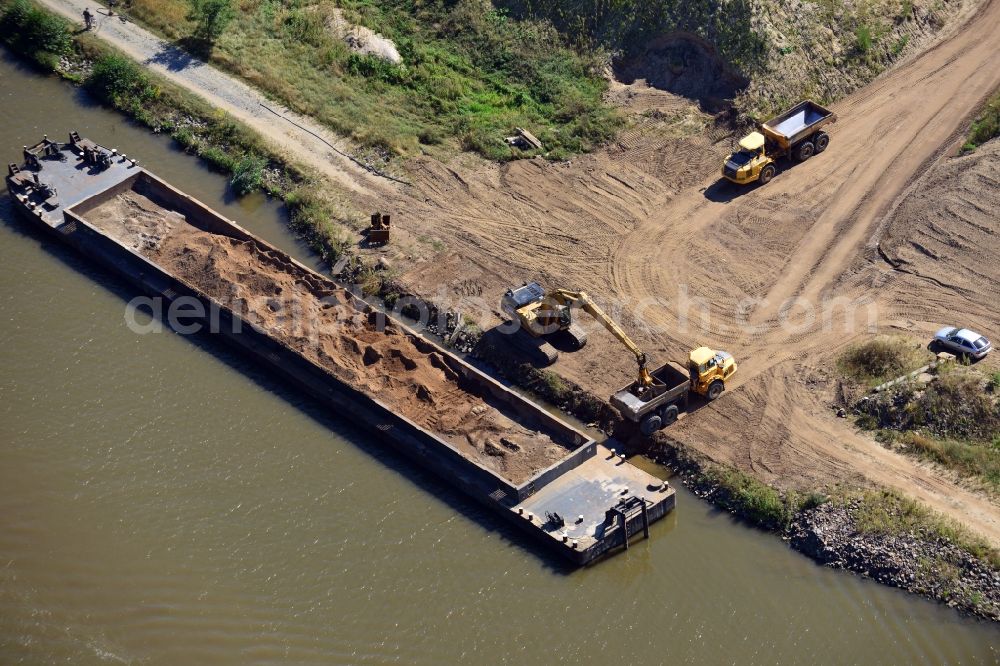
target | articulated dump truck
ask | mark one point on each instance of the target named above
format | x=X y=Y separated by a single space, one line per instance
x=797 y=133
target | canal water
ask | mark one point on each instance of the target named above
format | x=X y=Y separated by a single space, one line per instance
x=163 y=502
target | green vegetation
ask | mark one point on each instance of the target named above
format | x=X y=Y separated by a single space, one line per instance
x=39 y=35
x=248 y=174
x=986 y=126
x=756 y=501
x=968 y=458
x=884 y=511
x=954 y=421
x=899 y=45
x=120 y=82
x=954 y=406
x=881 y=359
x=211 y=17
x=469 y=74
x=889 y=512
x=628 y=25
x=863 y=38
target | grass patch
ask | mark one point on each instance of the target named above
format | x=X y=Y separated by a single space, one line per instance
x=880 y=359
x=556 y=388
x=970 y=459
x=470 y=73
x=899 y=45
x=986 y=126
x=863 y=38
x=755 y=501
x=888 y=512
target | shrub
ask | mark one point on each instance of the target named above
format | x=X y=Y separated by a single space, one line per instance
x=120 y=81
x=211 y=18
x=248 y=174
x=881 y=359
x=863 y=38
x=986 y=126
x=41 y=36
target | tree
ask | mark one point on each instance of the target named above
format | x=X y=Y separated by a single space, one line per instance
x=211 y=17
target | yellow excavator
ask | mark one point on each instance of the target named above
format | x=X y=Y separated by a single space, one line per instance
x=541 y=314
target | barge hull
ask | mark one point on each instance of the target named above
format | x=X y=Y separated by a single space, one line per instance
x=582 y=478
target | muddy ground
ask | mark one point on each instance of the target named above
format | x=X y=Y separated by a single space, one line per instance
x=329 y=326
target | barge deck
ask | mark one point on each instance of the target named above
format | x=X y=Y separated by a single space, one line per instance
x=499 y=447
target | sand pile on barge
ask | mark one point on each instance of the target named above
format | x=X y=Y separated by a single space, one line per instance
x=328 y=325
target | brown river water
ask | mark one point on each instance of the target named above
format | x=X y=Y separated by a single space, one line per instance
x=164 y=502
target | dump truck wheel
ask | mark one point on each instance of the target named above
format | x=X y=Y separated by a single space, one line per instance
x=805 y=151
x=822 y=140
x=766 y=174
x=715 y=389
x=650 y=424
x=669 y=415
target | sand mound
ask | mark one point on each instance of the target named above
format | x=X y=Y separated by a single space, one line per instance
x=362 y=40
x=334 y=329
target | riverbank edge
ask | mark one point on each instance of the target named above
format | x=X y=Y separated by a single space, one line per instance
x=951 y=567
x=318 y=212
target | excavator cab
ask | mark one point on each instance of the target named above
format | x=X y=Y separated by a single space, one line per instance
x=709 y=371
x=541 y=314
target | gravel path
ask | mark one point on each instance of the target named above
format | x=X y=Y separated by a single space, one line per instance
x=232 y=96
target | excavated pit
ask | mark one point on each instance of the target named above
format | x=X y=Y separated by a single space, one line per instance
x=685 y=65
x=332 y=328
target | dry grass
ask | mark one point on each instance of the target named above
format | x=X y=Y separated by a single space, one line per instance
x=882 y=358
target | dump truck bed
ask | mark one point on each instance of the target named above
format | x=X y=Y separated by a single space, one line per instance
x=802 y=120
x=670 y=380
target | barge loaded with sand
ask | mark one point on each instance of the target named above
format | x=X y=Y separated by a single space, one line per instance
x=496 y=445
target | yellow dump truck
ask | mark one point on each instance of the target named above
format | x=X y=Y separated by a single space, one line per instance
x=656 y=399
x=797 y=133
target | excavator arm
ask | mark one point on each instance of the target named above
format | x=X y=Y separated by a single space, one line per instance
x=568 y=298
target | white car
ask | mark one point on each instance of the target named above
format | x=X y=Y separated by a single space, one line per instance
x=962 y=341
